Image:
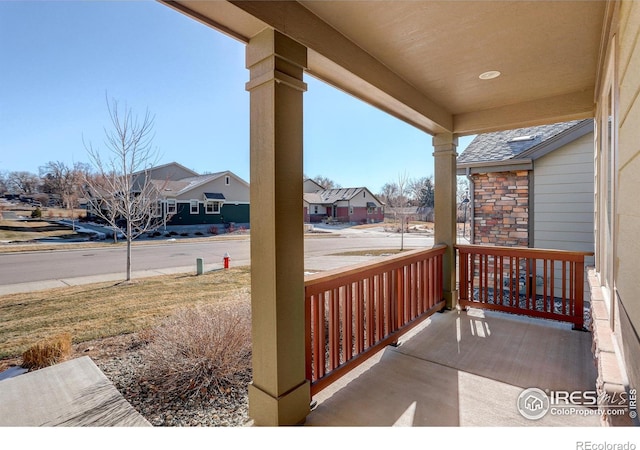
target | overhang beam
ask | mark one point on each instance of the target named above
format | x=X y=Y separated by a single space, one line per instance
x=561 y=108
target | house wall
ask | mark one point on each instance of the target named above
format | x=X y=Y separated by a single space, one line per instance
x=310 y=215
x=563 y=201
x=563 y=198
x=236 y=191
x=228 y=213
x=361 y=215
x=501 y=208
x=627 y=240
x=309 y=185
x=170 y=172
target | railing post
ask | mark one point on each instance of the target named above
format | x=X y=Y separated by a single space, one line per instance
x=579 y=284
x=463 y=271
x=307 y=336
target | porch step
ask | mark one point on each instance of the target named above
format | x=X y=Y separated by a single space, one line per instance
x=72 y=393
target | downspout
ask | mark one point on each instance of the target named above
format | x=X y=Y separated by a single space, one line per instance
x=471 y=206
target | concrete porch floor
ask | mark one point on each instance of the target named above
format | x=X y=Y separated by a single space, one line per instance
x=464 y=368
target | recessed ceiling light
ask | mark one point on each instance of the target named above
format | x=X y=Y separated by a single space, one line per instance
x=489 y=75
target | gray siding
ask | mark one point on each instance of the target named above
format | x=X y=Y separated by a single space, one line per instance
x=563 y=198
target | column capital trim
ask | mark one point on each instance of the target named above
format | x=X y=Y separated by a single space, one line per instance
x=277 y=77
x=269 y=43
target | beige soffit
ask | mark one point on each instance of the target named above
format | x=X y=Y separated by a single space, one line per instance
x=421 y=60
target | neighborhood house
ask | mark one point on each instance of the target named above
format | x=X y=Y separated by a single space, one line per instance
x=193 y=202
x=345 y=205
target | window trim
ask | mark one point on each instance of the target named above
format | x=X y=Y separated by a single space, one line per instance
x=216 y=207
x=193 y=203
x=156 y=209
x=172 y=206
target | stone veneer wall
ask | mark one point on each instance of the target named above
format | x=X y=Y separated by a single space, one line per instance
x=501 y=208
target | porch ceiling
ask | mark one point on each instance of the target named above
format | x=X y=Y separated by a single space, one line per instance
x=421 y=60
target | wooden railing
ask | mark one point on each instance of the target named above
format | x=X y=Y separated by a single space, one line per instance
x=534 y=282
x=352 y=313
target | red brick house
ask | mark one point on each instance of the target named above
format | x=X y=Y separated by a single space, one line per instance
x=532 y=187
x=345 y=205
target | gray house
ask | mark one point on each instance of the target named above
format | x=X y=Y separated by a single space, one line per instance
x=208 y=203
x=533 y=187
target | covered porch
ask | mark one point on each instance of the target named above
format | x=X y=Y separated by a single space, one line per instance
x=450 y=69
x=464 y=368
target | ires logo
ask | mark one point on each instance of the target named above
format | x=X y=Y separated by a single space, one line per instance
x=534 y=403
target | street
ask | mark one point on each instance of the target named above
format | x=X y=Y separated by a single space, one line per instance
x=29 y=267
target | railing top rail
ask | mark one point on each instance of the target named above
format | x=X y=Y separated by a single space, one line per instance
x=388 y=263
x=524 y=251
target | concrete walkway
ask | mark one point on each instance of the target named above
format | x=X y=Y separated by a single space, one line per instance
x=72 y=393
x=464 y=369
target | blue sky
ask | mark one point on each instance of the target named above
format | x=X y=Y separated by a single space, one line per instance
x=60 y=59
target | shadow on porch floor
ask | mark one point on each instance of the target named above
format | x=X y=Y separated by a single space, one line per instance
x=464 y=368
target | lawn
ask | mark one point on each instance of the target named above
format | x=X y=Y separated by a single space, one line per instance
x=103 y=310
x=30 y=230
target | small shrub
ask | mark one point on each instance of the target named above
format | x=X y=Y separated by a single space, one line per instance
x=213 y=230
x=201 y=353
x=184 y=234
x=36 y=213
x=47 y=352
x=198 y=233
x=173 y=233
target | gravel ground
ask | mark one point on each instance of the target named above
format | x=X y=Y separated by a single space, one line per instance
x=121 y=359
x=125 y=370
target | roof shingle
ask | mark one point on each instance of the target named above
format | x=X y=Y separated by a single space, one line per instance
x=500 y=145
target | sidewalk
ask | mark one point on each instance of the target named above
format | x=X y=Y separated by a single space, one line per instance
x=311 y=264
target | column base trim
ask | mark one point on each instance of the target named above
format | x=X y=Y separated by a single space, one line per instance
x=291 y=408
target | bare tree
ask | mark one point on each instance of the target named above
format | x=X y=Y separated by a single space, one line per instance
x=462 y=189
x=63 y=182
x=4 y=183
x=388 y=194
x=325 y=182
x=402 y=202
x=422 y=191
x=22 y=182
x=121 y=191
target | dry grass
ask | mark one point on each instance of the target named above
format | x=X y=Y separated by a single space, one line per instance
x=47 y=352
x=13 y=230
x=106 y=309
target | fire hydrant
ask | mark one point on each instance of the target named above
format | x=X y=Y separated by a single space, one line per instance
x=226 y=259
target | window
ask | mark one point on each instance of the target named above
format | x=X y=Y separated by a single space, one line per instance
x=156 y=209
x=211 y=207
x=171 y=206
x=371 y=210
x=350 y=209
x=227 y=180
x=606 y=170
x=194 y=207
x=315 y=209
